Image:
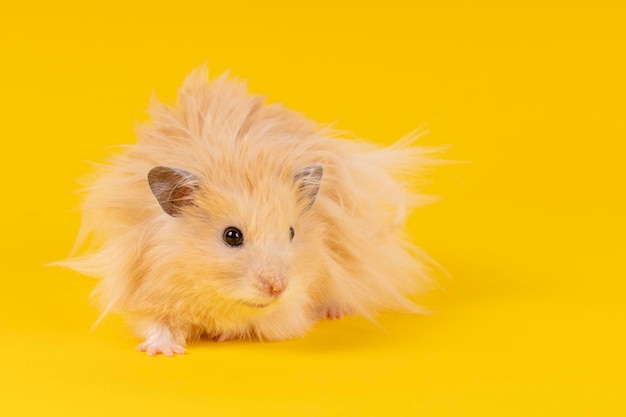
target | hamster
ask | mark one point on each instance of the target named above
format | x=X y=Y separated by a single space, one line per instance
x=234 y=219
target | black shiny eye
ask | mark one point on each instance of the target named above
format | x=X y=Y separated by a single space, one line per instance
x=292 y=233
x=233 y=236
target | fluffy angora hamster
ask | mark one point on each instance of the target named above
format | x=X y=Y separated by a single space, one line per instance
x=230 y=218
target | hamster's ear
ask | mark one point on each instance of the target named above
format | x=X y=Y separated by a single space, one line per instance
x=173 y=188
x=307 y=181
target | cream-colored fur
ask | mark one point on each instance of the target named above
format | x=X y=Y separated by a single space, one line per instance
x=174 y=277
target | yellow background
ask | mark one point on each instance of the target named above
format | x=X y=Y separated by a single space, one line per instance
x=531 y=230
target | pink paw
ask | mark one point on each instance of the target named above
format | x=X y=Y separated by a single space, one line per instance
x=161 y=340
x=165 y=349
x=334 y=312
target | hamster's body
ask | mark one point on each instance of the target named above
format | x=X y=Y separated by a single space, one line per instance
x=235 y=219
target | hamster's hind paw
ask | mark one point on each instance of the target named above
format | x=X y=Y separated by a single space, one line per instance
x=161 y=341
x=334 y=312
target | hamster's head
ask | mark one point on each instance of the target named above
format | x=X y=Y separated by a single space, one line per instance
x=237 y=244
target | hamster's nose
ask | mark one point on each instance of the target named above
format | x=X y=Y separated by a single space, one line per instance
x=275 y=285
x=275 y=289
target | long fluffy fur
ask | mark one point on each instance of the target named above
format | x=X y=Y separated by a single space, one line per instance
x=349 y=254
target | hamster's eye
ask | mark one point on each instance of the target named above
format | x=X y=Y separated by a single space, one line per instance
x=233 y=236
x=292 y=233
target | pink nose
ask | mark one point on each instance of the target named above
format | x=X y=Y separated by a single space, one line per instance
x=276 y=289
x=274 y=284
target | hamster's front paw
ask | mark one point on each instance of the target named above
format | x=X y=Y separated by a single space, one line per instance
x=161 y=340
x=153 y=349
